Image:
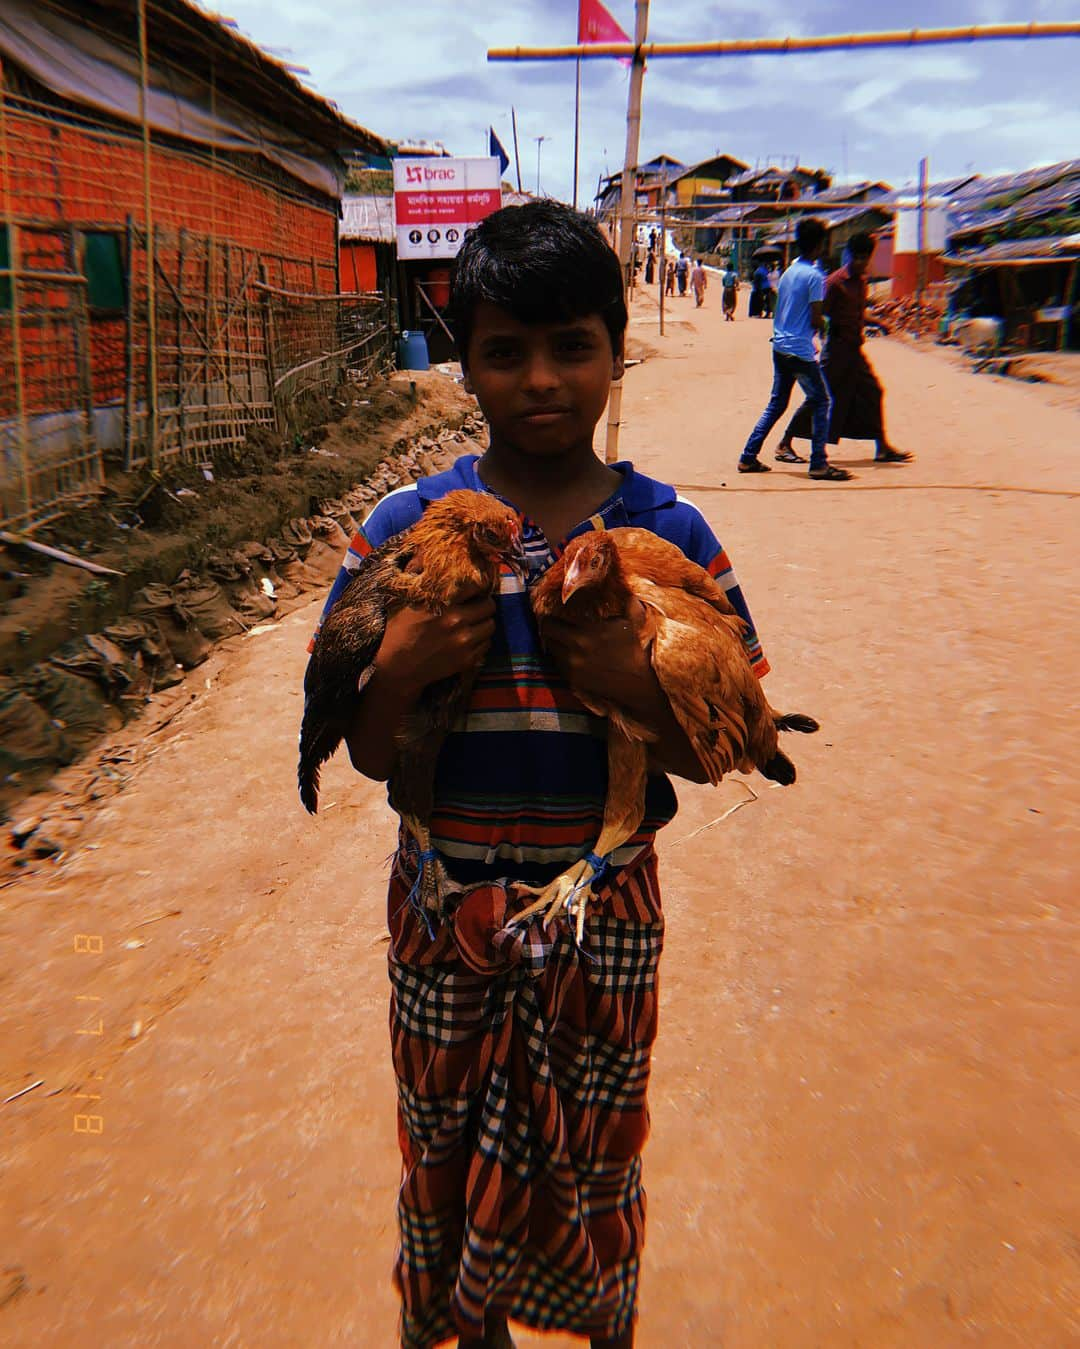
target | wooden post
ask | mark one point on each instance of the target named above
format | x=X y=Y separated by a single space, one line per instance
x=15 y=267
x=129 y=350
x=181 y=250
x=627 y=210
x=517 y=157
x=148 y=213
x=577 y=125
x=268 y=343
x=1068 y=298
x=920 y=244
x=663 y=254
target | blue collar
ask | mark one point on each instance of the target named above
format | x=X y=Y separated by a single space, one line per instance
x=637 y=495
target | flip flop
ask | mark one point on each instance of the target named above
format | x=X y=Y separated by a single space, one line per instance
x=830 y=473
x=894 y=457
x=789 y=456
x=753 y=466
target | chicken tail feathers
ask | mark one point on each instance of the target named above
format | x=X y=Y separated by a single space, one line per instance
x=318 y=741
x=796 y=721
x=779 y=769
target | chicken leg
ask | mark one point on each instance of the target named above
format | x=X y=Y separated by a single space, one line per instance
x=624 y=810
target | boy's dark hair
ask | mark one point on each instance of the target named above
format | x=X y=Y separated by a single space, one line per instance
x=861 y=244
x=809 y=234
x=542 y=262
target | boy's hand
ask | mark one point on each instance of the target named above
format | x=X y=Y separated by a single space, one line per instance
x=420 y=647
x=602 y=656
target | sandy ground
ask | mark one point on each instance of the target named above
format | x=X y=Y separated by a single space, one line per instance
x=864 y=1109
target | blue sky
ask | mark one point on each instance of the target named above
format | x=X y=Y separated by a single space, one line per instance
x=419 y=69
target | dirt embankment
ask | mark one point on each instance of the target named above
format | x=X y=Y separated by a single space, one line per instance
x=206 y=551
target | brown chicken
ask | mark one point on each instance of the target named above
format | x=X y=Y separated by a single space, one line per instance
x=454 y=551
x=694 y=639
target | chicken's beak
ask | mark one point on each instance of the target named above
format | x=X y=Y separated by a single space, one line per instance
x=573 y=580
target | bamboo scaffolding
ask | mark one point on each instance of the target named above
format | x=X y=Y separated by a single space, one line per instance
x=628 y=203
x=785 y=46
x=148 y=224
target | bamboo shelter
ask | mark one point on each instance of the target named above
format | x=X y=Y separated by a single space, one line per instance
x=169 y=200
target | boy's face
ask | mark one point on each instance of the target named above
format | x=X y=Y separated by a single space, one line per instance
x=541 y=386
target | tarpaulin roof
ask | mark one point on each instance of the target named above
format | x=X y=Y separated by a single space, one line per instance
x=367 y=218
x=84 y=51
x=1017 y=252
x=1057 y=197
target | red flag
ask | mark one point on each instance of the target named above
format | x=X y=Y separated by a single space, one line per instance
x=595 y=24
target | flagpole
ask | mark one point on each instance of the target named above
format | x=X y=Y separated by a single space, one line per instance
x=577 y=126
x=628 y=204
x=517 y=161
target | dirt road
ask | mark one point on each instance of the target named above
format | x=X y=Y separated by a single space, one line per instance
x=864 y=1109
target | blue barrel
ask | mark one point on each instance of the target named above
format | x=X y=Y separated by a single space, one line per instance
x=412 y=352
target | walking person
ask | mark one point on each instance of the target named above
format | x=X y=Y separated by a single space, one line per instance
x=759 y=285
x=667 y=270
x=857 y=395
x=699 y=283
x=731 y=292
x=650 y=268
x=770 y=290
x=798 y=316
x=682 y=272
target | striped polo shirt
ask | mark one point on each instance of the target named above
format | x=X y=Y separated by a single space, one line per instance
x=522 y=777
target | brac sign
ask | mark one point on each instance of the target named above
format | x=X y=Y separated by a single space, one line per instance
x=436 y=201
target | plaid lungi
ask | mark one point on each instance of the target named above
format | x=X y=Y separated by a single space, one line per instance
x=522 y=1066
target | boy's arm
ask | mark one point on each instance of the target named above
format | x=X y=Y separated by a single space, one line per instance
x=417 y=649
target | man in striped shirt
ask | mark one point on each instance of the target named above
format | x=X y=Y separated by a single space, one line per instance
x=522 y=1061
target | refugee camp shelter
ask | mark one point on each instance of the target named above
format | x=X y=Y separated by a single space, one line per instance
x=1031 y=284
x=367 y=240
x=168 y=242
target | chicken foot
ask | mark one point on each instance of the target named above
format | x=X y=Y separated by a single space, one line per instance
x=432 y=881
x=624 y=810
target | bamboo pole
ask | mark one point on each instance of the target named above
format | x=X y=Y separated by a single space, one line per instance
x=517 y=157
x=784 y=46
x=577 y=126
x=148 y=222
x=920 y=241
x=15 y=265
x=663 y=252
x=628 y=203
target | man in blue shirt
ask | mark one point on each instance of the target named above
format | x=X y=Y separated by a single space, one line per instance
x=798 y=316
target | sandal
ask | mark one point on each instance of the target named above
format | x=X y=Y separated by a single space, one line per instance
x=753 y=466
x=891 y=456
x=830 y=473
x=786 y=455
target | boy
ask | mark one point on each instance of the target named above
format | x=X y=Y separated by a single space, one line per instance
x=730 y=292
x=699 y=282
x=522 y=1062
x=798 y=317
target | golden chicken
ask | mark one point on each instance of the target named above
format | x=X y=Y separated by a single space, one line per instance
x=694 y=639
x=456 y=550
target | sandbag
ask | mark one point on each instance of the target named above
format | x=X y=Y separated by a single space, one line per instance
x=77 y=705
x=95 y=657
x=31 y=745
x=208 y=606
x=236 y=577
x=148 y=651
x=298 y=533
x=157 y=604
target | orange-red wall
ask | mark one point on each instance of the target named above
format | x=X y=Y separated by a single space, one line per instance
x=905 y=272
x=93 y=179
x=358 y=270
